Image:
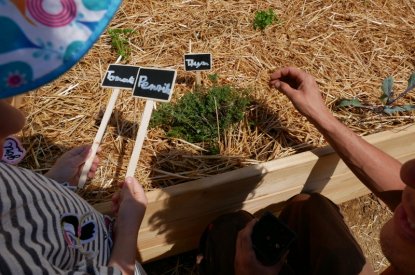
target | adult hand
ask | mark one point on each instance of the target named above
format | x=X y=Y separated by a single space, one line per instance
x=301 y=89
x=245 y=258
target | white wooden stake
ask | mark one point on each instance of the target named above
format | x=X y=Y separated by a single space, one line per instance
x=98 y=138
x=141 y=134
x=198 y=78
x=198 y=75
x=99 y=135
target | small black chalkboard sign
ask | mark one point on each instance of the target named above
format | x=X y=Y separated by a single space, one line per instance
x=156 y=84
x=197 y=61
x=120 y=76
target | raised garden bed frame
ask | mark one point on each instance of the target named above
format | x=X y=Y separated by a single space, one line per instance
x=177 y=215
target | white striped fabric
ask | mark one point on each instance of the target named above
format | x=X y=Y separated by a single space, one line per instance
x=47 y=229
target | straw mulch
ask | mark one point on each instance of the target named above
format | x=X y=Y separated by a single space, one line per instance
x=349 y=46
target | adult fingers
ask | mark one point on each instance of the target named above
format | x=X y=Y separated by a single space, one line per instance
x=290 y=75
x=283 y=72
x=284 y=88
x=244 y=236
x=249 y=227
x=288 y=72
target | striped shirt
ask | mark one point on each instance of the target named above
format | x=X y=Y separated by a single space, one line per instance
x=47 y=229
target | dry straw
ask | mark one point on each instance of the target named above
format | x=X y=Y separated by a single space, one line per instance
x=349 y=46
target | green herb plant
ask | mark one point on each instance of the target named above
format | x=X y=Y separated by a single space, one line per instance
x=202 y=115
x=264 y=18
x=119 y=41
x=387 y=98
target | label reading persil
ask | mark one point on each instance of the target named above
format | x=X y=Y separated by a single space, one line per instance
x=156 y=84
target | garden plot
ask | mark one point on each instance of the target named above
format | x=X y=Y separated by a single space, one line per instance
x=349 y=46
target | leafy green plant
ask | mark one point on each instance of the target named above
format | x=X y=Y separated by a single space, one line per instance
x=214 y=78
x=264 y=18
x=202 y=115
x=386 y=97
x=119 y=41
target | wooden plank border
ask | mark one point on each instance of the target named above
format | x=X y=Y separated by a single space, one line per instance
x=177 y=215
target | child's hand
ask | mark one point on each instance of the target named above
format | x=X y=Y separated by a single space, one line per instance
x=130 y=199
x=129 y=205
x=68 y=167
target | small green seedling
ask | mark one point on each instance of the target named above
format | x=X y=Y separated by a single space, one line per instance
x=119 y=41
x=386 y=98
x=202 y=115
x=214 y=78
x=264 y=19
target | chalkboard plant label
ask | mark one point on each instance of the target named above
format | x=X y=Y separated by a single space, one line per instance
x=120 y=76
x=155 y=84
x=198 y=61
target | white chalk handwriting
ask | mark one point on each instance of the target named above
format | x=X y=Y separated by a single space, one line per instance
x=193 y=63
x=112 y=77
x=145 y=85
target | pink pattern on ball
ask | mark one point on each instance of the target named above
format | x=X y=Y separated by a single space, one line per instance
x=64 y=17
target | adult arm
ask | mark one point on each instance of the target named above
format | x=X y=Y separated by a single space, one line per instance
x=377 y=170
x=130 y=205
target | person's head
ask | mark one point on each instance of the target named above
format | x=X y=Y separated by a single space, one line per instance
x=41 y=42
x=38 y=52
x=11 y=121
x=398 y=234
